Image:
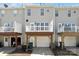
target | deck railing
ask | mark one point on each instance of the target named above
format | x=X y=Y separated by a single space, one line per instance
x=7 y=29
x=16 y=27
x=70 y=28
x=39 y=28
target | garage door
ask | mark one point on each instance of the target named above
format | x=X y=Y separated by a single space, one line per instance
x=43 y=41
x=70 y=41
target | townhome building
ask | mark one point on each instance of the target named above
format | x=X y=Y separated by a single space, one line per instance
x=45 y=26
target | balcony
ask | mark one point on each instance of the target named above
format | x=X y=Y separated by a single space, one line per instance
x=39 y=28
x=11 y=27
x=67 y=28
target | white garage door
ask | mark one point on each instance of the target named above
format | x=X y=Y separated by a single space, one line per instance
x=43 y=41
x=70 y=41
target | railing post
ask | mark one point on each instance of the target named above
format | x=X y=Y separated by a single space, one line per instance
x=63 y=29
x=75 y=28
x=71 y=28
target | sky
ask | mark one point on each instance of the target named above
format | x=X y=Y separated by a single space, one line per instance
x=17 y=5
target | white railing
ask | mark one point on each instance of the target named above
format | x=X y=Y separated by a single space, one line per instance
x=39 y=29
x=15 y=28
x=6 y=29
x=68 y=29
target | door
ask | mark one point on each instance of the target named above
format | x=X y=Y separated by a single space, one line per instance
x=12 y=41
x=70 y=41
x=6 y=42
x=19 y=41
x=43 y=41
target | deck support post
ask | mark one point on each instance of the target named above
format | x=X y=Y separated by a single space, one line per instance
x=62 y=39
x=27 y=40
x=16 y=40
x=51 y=42
x=35 y=41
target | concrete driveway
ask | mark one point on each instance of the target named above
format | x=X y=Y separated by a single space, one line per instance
x=6 y=50
x=74 y=50
x=42 y=51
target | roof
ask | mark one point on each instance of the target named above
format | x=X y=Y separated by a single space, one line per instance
x=22 y=5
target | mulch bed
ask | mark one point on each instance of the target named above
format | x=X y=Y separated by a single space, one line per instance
x=64 y=52
x=20 y=53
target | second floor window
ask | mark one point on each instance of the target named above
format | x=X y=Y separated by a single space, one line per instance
x=14 y=12
x=69 y=13
x=2 y=13
x=56 y=13
x=29 y=12
x=42 y=12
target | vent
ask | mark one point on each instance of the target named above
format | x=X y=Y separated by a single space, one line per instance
x=5 y=5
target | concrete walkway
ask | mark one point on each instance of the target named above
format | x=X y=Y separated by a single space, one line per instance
x=6 y=50
x=42 y=52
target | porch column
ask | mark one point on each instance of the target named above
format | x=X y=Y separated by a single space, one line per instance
x=35 y=41
x=27 y=40
x=16 y=40
x=51 y=39
x=51 y=45
x=62 y=40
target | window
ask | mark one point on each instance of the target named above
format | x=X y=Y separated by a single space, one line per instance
x=42 y=12
x=46 y=24
x=73 y=27
x=42 y=24
x=14 y=12
x=74 y=11
x=29 y=12
x=6 y=40
x=56 y=13
x=47 y=10
x=32 y=26
x=37 y=26
x=2 y=13
x=69 y=13
x=67 y=27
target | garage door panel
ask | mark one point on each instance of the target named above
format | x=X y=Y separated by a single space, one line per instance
x=43 y=41
x=70 y=41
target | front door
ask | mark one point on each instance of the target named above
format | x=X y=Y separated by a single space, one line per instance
x=19 y=41
x=13 y=41
x=6 y=42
